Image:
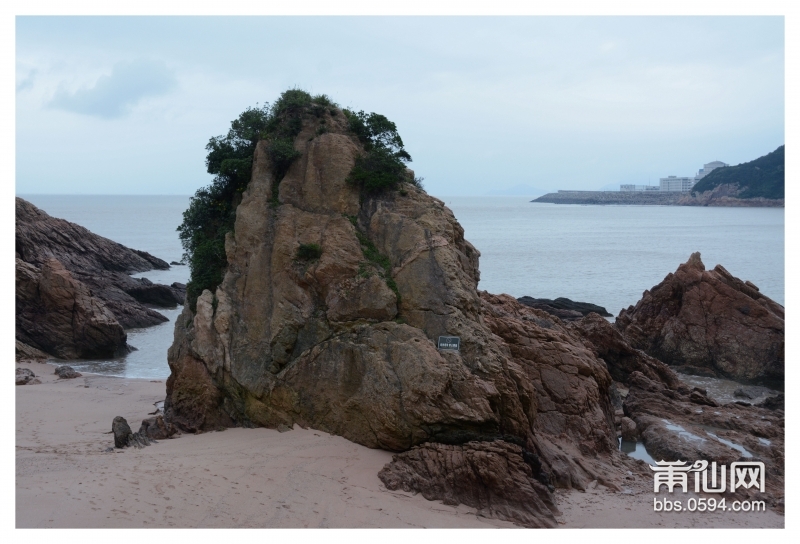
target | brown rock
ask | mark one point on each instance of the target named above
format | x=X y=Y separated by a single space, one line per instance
x=492 y=477
x=57 y=314
x=67 y=372
x=684 y=424
x=24 y=352
x=628 y=429
x=124 y=437
x=155 y=428
x=325 y=344
x=25 y=376
x=620 y=357
x=709 y=319
x=97 y=262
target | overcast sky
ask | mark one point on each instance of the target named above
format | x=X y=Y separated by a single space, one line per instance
x=125 y=105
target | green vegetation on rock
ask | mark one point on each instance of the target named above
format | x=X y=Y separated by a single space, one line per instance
x=309 y=252
x=383 y=166
x=212 y=210
x=762 y=177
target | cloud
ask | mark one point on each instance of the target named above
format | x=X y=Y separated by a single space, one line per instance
x=27 y=81
x=114 y=95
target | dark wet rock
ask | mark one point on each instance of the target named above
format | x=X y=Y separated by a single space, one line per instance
x=102 y=265
x=176 y=263
x=124 y=437
x=775 y=402
x=147 y=292
x=492 y=477
x=709 y=319
x=66 y=372
x=561 y=303
x=155 y=428
x=25 y=376
x=564 y=308
x=751 y=392
x=58 y=315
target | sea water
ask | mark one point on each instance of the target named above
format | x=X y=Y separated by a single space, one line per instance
x=606 y=255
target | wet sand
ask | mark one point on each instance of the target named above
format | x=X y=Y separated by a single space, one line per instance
x=66 y=477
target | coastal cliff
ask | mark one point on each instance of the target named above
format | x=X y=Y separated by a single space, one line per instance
x=74 y=294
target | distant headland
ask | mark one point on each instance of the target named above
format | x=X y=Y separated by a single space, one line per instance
x=758 y=183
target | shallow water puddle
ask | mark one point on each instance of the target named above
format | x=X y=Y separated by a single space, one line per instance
x=683 y=433
x=733 y=445
x=636 y=450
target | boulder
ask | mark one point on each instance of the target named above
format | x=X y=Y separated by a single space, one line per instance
x=59 y=315
x=155 y=428
x=709 y=319
x=25 y=376
x=67 y=372
x=124 y=437
x=493 y=477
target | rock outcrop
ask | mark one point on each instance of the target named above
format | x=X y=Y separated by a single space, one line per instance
x=493 y=477
x=58 y=315
x=620 y=357
x=339 y=344
x=343 y=339
x=709 y=319
x=685 y=424
x=100 y=264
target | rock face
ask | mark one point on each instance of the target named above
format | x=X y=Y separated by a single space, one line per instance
x=99 y=263
x=329 y=344
x=492 y=477
x=685 y=424
x=58 y=315
x=620 y=357
x=709 y=319
x=564 y=308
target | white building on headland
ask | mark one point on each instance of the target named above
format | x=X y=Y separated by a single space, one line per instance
x=675 y=184
x=707 y=168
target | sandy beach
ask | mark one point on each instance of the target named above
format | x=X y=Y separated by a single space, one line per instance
x=67 y=476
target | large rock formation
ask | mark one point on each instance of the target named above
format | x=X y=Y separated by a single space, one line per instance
x=58 y=315
x=343 y=339
x=709 y=319
x=333 y=344
x=97 y=262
